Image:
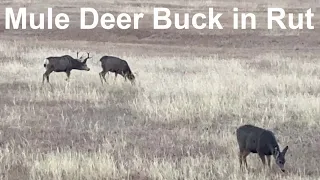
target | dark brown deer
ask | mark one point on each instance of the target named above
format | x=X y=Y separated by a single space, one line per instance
x=116 y=65
x=65 y=64
x=252 y=139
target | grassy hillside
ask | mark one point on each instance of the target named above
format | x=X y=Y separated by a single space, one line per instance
x=194 y=88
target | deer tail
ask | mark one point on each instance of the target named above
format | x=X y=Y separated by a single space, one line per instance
x=45 y=62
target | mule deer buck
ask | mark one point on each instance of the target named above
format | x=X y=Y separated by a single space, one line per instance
x=65 y=64
x=116 y=65
x=252 y=139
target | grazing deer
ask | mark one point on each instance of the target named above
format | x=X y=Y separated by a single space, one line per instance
x=116 y=65
x=252 y=139
x=65 y=64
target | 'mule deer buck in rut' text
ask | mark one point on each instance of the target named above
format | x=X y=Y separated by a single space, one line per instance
x=252 y=139
x=65 y=64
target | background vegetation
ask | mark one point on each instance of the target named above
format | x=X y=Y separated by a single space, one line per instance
x=194 y=88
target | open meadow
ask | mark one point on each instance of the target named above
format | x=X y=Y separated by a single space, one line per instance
x=193 y=89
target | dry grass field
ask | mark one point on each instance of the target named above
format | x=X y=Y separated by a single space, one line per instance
x=193 y=89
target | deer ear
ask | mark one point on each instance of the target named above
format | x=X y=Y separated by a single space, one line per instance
x=285 y=150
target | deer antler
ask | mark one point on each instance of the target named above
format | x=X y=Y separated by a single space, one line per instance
x=85 y=60
x=88 y=56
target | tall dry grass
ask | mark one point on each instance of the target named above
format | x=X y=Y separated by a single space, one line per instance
x=178 y=122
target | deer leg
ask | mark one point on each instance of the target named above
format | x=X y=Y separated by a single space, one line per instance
x=115 y=76
x=68 y=75
x=240 y=159
x=244 y=155
x=263 y=160
x=48 y=79
x=243 y=158
x=46 y=76
x=124 y=75
x=269 y=161
x=43 y=78
x=102 y=75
